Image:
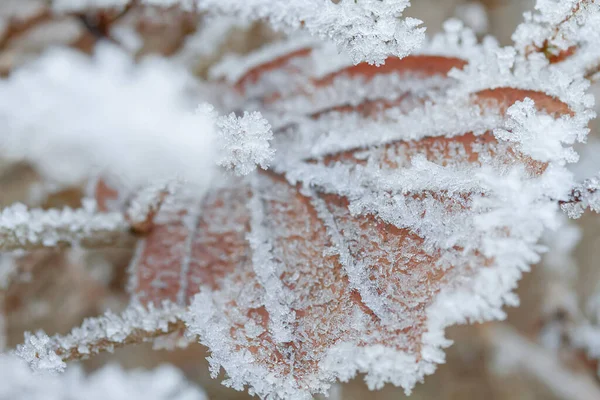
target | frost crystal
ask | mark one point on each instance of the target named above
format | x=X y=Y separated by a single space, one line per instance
x=246 y=142
x=370 y=30
x=541 y=136
x=38 y=353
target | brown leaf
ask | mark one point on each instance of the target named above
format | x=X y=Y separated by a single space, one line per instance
x=297 y=289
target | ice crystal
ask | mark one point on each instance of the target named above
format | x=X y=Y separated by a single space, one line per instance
x=246 y=142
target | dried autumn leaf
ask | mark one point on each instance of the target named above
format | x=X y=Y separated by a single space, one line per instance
x=388 y=214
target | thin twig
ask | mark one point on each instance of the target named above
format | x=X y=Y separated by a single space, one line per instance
x=137 y=324
x=583 y=196
x=22 y=228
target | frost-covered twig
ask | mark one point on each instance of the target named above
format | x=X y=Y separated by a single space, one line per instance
x=565 y=31
x=513 y=351
x=137 y=324
x=585 y=195
x=556 y=26
x=370 y=30
x=21 y=228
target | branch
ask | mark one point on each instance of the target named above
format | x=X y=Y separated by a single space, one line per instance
x=564 y=31
x=137 y=324
x=583 y=196
x=21 y=228
x=17 y=26
x=370 y=30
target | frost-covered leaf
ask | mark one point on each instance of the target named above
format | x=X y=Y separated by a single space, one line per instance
x=388 y=213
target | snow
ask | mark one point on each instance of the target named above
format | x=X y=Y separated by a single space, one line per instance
x=110 y=382
x=106 y=114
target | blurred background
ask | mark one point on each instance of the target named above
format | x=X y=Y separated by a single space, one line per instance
x=528 y=356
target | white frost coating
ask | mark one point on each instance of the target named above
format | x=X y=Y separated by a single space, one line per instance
x=479 y=298
x=37 y=351
x=568 y=28
x=205 y=320
x=277 y=296
x=541 y=136
x=109 y=383
x=20 y=226
x=191 y=220
x=106 y=114
x=41 y=351
x=347 y=91
x=455 y=40
x=148 y=200
x=232 y=68
x=369 y=30
x=357 y=271
x=498 y=67
x=343 y=131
